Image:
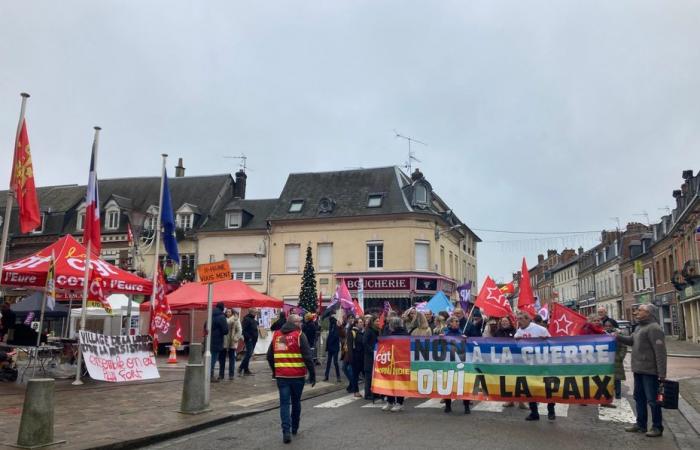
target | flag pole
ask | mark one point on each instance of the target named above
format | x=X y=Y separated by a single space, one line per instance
x=10 y=192
x=86 y=276
x=157 y=249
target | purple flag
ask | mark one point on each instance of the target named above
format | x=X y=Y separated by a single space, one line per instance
x=465 y=295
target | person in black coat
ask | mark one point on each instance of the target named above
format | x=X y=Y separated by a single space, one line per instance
x=332 y=348
x=395 y=404
x=310 y=330
x=281 y=320
x=249 y=326
x=358 y=354
x=219 y=329
x=369 y=342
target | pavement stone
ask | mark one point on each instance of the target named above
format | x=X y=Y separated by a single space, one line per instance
x=684 y=348
x=101 y=415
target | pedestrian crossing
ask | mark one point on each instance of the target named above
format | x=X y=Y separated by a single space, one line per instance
x=623 y=413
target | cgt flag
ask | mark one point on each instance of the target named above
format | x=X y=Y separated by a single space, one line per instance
x=22 y=183
x=565 y=322
x=492 y=302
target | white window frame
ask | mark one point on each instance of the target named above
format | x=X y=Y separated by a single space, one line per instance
x=248 y=276
x=296 y=206
x=416 y=246
x=185 y=221
x=322 y=267
x=233 y=224
x=80 y=221
x=109 y=214
x=378 y=262
x=375 y=200
x=424 y=190
x=288 y=268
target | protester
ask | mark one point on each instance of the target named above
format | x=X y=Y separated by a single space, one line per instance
x=603 y=315
x=505 y=328
x=453 y=330
x=527 y=329
x=473 y=327
x=386 y=331
x=7 y=323
x=358 y=353
x=395 y=404
x=440 y=325
x=230 y=344
x=250 y=338
x=219 y=329
x=422 y=328
x=409 y=319
x=310 y=330
x=289 y=357
x=490 y=328
x=332 y=347
x=279 y=322
x=346 y=353
x=459 y=314
x=592 y=326
x=649 y=368
x=369 y=342
x=620 y=354
x=539 y=320
x=430 y=318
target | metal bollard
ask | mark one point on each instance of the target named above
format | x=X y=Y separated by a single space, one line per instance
x=36 y=425
x=193 y=392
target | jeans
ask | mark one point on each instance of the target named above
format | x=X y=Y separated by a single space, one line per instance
x=618 y=388
x=334 y=357
x=290 y=390
x=535 y=412
x=368 y=384
x=645 y=389
x=231 y=353
x=214 y=359
x=392 y=400
x=347 y=370
x=249 y=349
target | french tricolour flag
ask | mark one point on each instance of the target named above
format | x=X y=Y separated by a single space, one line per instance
x=91 y=233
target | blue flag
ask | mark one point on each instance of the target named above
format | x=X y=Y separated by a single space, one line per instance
x=167 y=220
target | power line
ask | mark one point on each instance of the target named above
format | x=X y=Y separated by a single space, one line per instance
x=536 y=232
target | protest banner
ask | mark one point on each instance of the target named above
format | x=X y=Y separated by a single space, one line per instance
x=118 y=358
x=571 y=369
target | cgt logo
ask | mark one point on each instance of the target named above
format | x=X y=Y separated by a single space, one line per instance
x=384 y=355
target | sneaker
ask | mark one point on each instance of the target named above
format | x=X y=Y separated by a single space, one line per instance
x=551 y=416
x=654 y=432
x=286 y=438
x=532 y=417
x=386 y=407
x=248 y=372
x=398 y=407
x=635 y=429
x=357 y=395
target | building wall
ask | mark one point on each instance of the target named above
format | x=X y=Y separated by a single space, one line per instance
x=566 y=283
x=221 y=245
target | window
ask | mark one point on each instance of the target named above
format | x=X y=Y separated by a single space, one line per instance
x=442 y=260
x=112 y=222
x=452 y=266
x=422 y=256
x=421 y=194
x=374 y=200
x=657 y=275
x=245 y=267
x=325 y=257
x=150 y=222
x=233 y=219
x=291 y=258
x=665 y=272
x=296 y=206
x=80 y=225
x=184 y=221
x=40 y=228
x=375 y=255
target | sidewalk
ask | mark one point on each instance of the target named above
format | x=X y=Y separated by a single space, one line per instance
x=674 y=347
x=101 y=415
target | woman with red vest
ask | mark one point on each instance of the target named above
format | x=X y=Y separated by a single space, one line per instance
x=291 y=360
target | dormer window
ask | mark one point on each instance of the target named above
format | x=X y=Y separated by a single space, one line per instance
x=80 y=222
x=234 y=219
x=374 y=200
x=184 y=221
x=296 y=206
x=421 y=194
x=149 y=222
x=112 y=219
x=40 y=228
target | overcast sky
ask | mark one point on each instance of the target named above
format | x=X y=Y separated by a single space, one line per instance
x=539 y=116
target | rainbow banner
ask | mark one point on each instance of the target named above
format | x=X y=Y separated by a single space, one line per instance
x=571 y=369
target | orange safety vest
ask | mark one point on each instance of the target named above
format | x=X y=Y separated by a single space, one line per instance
x=289 y=363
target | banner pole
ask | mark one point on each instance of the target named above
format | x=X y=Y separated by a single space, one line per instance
x=10 y=192
x=207 y=350
x=156 y=255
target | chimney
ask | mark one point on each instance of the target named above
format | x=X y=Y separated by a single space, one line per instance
x=179 y=169
x=551 y=253
x=580 y=250
x=416 y=175
x=540 y=259
x=239 y=186
x=677 y=195
x=687 y=174
x=567 y=254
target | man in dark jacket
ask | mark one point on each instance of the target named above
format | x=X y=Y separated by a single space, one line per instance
x=250 y=337
x=453 y=330
x=603 y=314
x=333 y=348
x=289 y=357
x=369 y=342
x=473 y=328
x=396 y=328
x=310 y=330
x=219 y=329
x=648 y=367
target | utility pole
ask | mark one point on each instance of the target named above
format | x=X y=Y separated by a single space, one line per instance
x=411 y=154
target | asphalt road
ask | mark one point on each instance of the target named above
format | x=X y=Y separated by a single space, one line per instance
x=338 y=421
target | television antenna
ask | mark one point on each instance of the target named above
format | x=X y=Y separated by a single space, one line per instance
x=411 y=154
x=243 y=158
x=645 y=215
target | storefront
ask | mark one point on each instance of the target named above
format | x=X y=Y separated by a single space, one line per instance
x=689 y=299
x=402 y=289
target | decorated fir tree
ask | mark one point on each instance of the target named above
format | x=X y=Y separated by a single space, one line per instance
x=307 y=295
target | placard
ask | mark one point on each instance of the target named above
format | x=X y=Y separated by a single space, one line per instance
x=118 y=359
x=212 y=272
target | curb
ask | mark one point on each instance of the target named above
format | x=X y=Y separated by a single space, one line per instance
x=689 y=413
x=682 y=355
x=155 y=438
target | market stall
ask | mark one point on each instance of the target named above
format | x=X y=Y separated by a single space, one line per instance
x=100 y=321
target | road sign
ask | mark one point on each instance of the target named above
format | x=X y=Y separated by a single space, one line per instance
x=212 y=272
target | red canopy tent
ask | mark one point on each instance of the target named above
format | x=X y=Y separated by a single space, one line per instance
x=31 y=271
x=233 y=293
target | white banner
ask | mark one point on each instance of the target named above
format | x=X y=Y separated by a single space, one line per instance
x=118 y=358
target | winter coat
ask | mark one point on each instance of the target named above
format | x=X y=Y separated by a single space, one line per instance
x=399 y=332
x=620 y=354
x=648 y=348
x=452 y=333
x=358 y=350
x=333 y=339
x=472 y=330
x=250 y=328
x=505 y=332
x=235 y=333
x=305 y=348
x=369 y=341
x=219 y=329
x=422 y=332
x=310 y=330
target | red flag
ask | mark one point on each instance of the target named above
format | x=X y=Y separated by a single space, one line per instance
x=96 y=293
x=381 y=320
x=319 y=310
x=491 y=300
x=565 y=322
x=129 y=235
x=358 y=309
x=22 y=183
x=529 y=309
x=91 y=224
x=160 y=314
x=508 y=288
x=526 y=297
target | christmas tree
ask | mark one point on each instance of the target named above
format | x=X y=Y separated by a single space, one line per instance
x=186 y=272
x=307 y=295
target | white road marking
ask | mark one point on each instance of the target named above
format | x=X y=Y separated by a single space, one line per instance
x=622 y=414
x=496 y=407
x=431 y=403
x=338 y=402
x=376 y=404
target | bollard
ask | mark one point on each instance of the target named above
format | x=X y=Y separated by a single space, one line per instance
x=36 y=425
x=193 y=392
